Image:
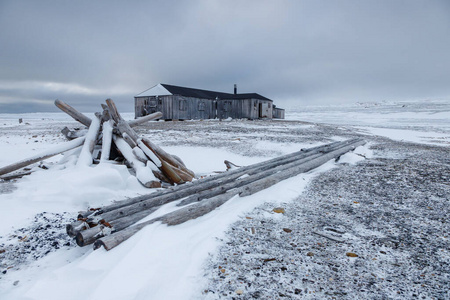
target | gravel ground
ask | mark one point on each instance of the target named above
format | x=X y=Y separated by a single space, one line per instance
x=375 y=230
x=46 y=233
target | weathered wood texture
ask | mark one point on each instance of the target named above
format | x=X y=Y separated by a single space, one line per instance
x=199 y=189
x=176 y=107
x=197 y=186
x=278 y=113
x=144 y=173
x=44 y=155
x=78 y=116
x=88 y=236
x=169 y=166
x=145 y=119
x=201 y=208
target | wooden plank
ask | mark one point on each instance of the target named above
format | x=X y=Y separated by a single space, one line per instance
x=199 y=209
x=43 y=155
x=213 y=186
x=212 y=181
x=78 y=116
x=145 y=119
x=88 y=236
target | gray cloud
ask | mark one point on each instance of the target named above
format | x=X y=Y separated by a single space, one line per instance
x=83 y=52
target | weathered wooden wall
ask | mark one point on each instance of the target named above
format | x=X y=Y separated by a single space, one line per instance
x=278 y=113
x=175 y=107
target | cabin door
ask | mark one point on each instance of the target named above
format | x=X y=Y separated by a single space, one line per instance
x=263 y=110
x=183 y=109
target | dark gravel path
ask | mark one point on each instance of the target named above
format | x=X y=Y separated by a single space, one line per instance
x=375 y=230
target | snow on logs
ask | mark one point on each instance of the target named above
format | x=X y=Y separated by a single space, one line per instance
x=110 y=133
x=112 y=224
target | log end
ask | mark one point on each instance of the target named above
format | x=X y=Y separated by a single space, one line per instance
x=73 y=229
x=79 y=239
x=153 y=184
x=69 y=230
x=98 y=244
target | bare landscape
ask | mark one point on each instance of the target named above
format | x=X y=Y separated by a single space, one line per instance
x=371 y=225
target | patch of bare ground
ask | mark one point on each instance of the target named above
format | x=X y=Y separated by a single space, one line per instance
x=375 y=230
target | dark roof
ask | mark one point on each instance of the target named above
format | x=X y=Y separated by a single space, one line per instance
x=205 y=94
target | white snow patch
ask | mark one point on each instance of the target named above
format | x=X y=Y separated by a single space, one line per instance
x=403 y=135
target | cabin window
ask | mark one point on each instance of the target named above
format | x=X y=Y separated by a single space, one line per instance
x=152 y=103
x=183 y=105
x=201 y=106
x=269 y=105
x=160 y=102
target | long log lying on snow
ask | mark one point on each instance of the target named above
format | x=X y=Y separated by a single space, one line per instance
x=131 y=206
x=88 y=236
x=181 y=191
x=255 y=174
x=66 y=146
x=213 y=189
x=201 y=208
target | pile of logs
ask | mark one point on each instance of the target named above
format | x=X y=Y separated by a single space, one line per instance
x=115 y=139
x=115 y=223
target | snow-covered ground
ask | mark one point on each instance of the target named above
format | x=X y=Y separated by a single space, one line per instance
x=38 y=261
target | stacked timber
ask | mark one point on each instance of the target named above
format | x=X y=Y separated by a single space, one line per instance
x=115 y=223
x=115 y=139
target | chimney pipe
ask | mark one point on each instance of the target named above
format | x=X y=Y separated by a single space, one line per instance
x=235 y=89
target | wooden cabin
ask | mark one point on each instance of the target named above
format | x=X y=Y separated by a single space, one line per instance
x=182 y=103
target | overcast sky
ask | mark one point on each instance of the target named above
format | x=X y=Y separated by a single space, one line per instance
x=303 y=52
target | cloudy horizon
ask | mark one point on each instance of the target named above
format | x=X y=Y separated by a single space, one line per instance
x=293 y=52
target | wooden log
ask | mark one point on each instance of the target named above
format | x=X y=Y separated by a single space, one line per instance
x=174 y=218
x=88 y=236
x=74 y=228
x=230 y=165
x=181 y=191
x=163 y=155
x=78 y=116
x=207 y=190
x=145 y=119
x=140 y=155
x=43 y=155
x=199 y=209
x=255 y=175
x=144 y=174
x=130 y=142
x=180 y=161
x=70 y=135
x=85 y=158
x=170 y=166
x=264 y=183
x=107 y=132
x=15 y=176
x=124 y=127
x=114 y=211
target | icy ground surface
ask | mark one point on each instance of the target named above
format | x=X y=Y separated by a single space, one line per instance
x=373 y=225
